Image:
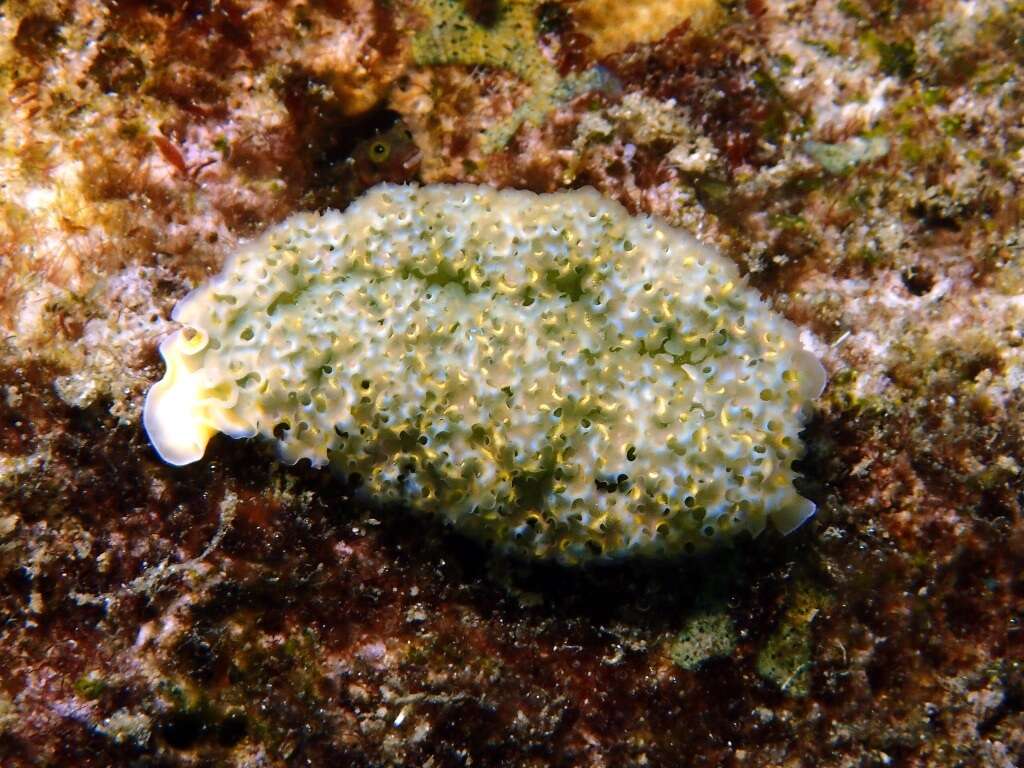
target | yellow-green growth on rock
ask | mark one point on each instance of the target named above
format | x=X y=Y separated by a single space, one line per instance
x=785 y=658
x=453 y=36
x=706 y=635
x=545 y=372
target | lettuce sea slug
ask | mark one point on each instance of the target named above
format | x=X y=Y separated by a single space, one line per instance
x=545 y=372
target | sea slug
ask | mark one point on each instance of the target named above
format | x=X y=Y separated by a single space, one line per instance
x=545 y=372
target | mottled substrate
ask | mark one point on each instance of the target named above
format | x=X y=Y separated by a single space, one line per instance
x=501 y=36
x=239 y=613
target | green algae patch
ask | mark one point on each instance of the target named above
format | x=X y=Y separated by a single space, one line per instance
x=842 y=157
x=91 y=686
x=706 y=635
x=453 y=36
x=786 y=657
x=506 y=40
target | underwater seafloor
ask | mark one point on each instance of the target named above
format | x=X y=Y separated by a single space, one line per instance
x=861 y=160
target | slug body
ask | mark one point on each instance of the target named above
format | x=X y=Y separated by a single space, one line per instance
x=545 y=372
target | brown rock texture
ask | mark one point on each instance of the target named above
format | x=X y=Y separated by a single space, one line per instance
x=861 y=160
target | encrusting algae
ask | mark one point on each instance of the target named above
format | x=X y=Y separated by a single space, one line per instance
x=509 y=42
x=545 y=372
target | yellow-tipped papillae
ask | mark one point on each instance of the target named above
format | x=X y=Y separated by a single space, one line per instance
x=545 y=372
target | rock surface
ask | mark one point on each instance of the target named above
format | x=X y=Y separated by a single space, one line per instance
x=861 y=160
